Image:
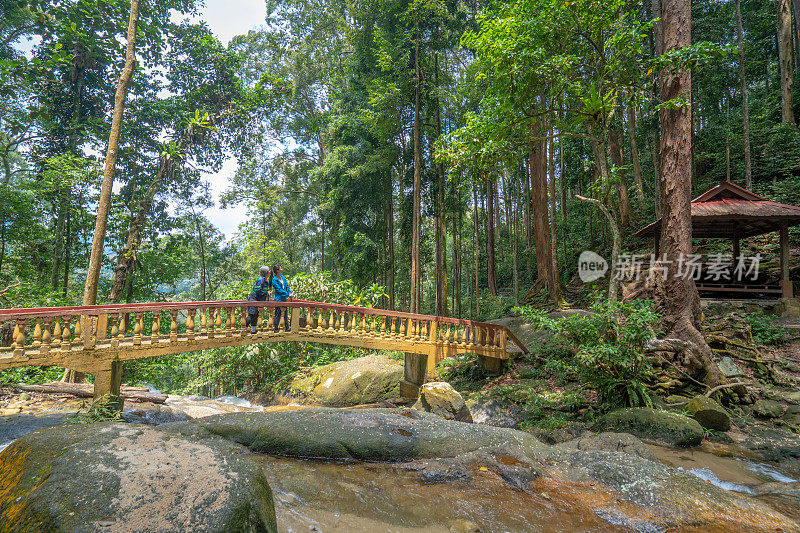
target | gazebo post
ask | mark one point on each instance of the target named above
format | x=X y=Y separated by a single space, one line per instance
x=786 y=283
x=657 y=244
x=736 y=249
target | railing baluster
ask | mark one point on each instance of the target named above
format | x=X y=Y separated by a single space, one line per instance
x=137 y=329
x=78 y=339
x=46 y=337
x=155 y=334
x=114 y=330
x=66 y=334
x=173 y=326
x=203 y=323
x=19 y=336
x=243 y=320
x=190 y=313
x=56 y=343
x=37 y=333
x=218 y=312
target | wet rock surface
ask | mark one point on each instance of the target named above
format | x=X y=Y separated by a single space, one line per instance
x=123 y=477
x=490 y=412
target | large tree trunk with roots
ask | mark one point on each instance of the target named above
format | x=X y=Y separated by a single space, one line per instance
x=537 y=159
x=681 y=305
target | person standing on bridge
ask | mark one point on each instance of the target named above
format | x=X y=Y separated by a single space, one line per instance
x=282 y=293
x=260 y=293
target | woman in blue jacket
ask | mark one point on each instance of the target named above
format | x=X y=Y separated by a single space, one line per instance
x=282 y=293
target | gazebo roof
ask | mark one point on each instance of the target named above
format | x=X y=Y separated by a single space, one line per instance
x=729 y=210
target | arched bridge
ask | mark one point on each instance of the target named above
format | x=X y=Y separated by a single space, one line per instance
x=97 y=339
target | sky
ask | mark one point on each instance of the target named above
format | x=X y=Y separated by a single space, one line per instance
x=228 y=18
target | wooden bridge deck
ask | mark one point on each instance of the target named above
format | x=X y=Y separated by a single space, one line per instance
x=96 y=339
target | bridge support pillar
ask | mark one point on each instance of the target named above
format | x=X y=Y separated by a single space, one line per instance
x=108 y=382
x=491 y=365
x=414 y=376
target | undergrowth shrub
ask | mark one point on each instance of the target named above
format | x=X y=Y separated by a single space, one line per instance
x=765 y=328
x=604 y=349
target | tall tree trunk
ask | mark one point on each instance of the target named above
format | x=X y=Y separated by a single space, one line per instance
x=785 y=59
x=537 y=160
x=58 y=249
x=796 y=9
x=416 y=276
x=681 y=303
x=637 y=164
x=554 y=283
x=654 y=155
x=441 y=221
x=490 y=235
x=748 y=172
x=615 y=142
x=528 y=202
x=475 y=247
x=96 y=257
x=390 y=241
x=67 y=249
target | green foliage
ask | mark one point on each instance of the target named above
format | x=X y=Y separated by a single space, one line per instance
x=31 y=375
x=765 y=328
x=100 y=410
x=606 y=349
x=321 y=287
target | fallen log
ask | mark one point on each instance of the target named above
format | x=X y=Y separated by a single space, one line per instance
x=86 y=390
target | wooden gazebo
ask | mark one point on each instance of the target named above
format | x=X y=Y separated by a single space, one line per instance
x=729 y=211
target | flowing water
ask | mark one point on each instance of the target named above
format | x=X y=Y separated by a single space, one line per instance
x=314 y=495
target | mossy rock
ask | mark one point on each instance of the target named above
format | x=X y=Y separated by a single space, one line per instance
x=709 y=413
x=363 y=434
x=652 y=424
x=358 y=381
x=124 y=477
x=767 y=409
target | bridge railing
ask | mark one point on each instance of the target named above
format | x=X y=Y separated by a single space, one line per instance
x=28 y=335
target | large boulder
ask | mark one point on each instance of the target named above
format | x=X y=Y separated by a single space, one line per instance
x=767 y=409
x=441 y=399
x=491 y=412
x=122 y=477
x=365 y=434
x=359 y=381
x=709 y=413
x=652 y=424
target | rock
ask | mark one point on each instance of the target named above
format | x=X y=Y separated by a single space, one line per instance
x=570 y=431
x=621 y=488
x=365 y=380
x=728 y=368
x=792 y=414
x=154 y=414
x=662 y=426
x=767 y=409
x=793 y=397
x=675 y=398
x=782 y=496
x=441 y=399
x=364 y=434
x=24 y=396
x=492 y=413
x=124 y=477
x=709 y=413
x=611 y=442
x=771 y=444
